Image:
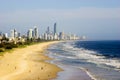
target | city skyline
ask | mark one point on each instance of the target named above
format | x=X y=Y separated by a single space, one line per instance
x=33 y=34
x=98 y=20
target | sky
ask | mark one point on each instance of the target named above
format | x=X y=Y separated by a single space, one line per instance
x=96 y=19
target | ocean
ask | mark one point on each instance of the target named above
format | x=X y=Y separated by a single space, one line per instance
x=100 y=59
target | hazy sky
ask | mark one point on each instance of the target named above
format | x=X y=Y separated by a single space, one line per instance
x=97 y=19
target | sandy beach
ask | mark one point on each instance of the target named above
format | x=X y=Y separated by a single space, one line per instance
x=30 y=63
x=27 y=64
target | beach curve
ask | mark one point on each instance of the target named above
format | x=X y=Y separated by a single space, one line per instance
x=19 y=64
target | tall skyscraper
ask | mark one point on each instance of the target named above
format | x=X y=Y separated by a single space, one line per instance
x=48 y=30
x=36 y=32
x=13 y=34
x=55 y=30
x=30 y=33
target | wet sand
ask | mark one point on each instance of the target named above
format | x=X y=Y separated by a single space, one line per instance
x=30 y=64
x=72 y=73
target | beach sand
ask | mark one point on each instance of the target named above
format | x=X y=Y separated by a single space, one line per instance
x=27 y=64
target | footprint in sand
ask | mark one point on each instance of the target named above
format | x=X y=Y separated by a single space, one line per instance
x=15 y=67
x=41 y=68
x=29 y=70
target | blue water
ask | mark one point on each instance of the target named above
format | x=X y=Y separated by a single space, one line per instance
x=110 y=49
x=100 y=58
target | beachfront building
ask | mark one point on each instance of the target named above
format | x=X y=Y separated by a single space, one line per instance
x=56 y=37
x=35 y=33
x=19 y=35
x=48 y=30
x=45 y=36
x=30 y=34
x=5 y=35
x=55 y=30
x=61 y=36
x=14 y=34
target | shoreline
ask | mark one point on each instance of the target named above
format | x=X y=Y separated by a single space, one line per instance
x=28 y=64
x=71 y=72
x=88 y=73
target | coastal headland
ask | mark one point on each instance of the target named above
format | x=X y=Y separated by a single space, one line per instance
x=28 y=64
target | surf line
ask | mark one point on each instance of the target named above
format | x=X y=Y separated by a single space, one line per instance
x=88 y=73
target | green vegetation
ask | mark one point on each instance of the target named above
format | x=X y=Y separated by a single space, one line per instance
x=2 y=49
x=5 y=47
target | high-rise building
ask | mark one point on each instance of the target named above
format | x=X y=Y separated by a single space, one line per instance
x=62 y=36
x=48 y=30
x=6 y=35
x=18 y=34
x=55 y=37
x=30 y=33
x=36 y=32
x=55 y=30
x=15 y=33
x=12 y=34
x=45 y=36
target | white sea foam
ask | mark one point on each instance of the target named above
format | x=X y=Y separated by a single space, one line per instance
x=89 y=74
x=87 y=56
x=92 y=56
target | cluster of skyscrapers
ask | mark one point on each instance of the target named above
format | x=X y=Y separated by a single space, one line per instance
x=34 y=34
x=50 y=35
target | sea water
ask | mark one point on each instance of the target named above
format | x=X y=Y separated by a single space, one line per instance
x=101 y=59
